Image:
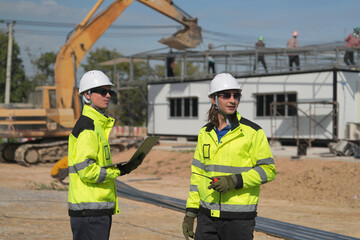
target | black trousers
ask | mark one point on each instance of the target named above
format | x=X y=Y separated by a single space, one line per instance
x=209 y=228
x=262 y=60
x=91 y=228
x=294 y=59
x=349 y=58
x=211 y=65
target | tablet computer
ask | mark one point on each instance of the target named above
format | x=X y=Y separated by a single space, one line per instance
x=144 y=148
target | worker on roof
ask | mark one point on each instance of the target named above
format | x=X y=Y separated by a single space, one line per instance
x=232 y=159
x=260 y=45
x=170 y=64
x=211 y=60
x=293 y=43
x=92 y=196
x=352 y=41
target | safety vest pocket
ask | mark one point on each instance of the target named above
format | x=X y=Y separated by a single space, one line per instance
x=206 y=150
x=107 y=152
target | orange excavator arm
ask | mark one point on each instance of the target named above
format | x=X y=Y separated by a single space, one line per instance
x=71 y=54
x=91 y=29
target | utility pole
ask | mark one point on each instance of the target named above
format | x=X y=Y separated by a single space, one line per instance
x=8 y=64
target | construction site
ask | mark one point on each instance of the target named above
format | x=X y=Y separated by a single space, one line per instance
x=310 y=115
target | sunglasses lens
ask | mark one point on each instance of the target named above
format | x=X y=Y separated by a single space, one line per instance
x=112 y=93
x=226 y=95
x=236 y=95
x=103 y=92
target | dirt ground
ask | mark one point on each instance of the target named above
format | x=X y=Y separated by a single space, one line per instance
x=314 y=192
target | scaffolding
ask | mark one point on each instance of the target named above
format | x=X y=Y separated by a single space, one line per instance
x=310 y=114
x=237 y=60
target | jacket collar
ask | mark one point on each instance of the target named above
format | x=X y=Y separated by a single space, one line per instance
x=235 y=124
x=97 y=117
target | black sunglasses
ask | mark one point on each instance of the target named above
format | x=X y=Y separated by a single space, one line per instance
x=103 y=91
x=227 y=95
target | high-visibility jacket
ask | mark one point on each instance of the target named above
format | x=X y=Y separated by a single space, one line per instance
x=243 y=151
x=92 y=189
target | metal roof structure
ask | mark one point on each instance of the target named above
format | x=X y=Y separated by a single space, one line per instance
x=240 y=61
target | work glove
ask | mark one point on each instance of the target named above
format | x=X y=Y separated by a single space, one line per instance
x=224 y=183
x=130 y=166
x=188 y=225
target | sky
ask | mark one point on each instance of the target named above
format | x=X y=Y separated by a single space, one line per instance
x=238 y=22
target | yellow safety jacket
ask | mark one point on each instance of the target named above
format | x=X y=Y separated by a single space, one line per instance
x=92 y=190
x=243 y=151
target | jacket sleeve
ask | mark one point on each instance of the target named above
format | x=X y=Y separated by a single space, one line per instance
x=197 y=166
x=264 y=169
x=86 y=162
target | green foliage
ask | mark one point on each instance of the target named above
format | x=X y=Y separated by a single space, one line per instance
x=97 y=56
x=20 y=84
x=129 y=108
x=190 y=68
x=132 y=107
x=44 y=65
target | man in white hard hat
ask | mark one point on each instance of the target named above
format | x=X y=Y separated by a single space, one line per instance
x=293 y=43
x=232 y=159
x=92 y=198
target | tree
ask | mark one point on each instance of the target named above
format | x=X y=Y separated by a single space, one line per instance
x=44 y=65
x=131 y=109
x=20 y=84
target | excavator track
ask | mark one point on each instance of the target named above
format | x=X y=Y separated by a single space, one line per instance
x=33 y=153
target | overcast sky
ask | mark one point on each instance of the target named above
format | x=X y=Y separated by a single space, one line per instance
x=224 y=22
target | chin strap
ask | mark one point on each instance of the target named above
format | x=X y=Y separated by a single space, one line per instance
x=218 y=109
x=88 y=101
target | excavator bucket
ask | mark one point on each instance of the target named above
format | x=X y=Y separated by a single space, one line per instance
x=190 y=37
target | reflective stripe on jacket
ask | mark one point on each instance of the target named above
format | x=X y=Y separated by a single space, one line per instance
x=243 y=150
x=92 y=188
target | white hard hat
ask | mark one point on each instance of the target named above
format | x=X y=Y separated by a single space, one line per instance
x=223 y=81
x=295 y=33
x=93 y=79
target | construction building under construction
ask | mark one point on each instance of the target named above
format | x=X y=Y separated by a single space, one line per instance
x=320 y=102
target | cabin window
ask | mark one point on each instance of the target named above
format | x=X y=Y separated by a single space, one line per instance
x=283 y=108
x=184 y=107
x=52 y=98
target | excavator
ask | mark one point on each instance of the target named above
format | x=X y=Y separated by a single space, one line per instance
x=54 y=110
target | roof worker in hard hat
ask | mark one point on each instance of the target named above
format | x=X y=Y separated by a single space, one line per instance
x=293 y=43
x=92 y=198
x=259 y=45
x=232 y=159
x=352 y=41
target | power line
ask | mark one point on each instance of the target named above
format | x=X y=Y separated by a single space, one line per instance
x=226 y=36
x=72 y=25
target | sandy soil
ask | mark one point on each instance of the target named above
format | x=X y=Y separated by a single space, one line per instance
x=317 y=193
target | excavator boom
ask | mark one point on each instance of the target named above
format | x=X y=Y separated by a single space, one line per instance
x=71 y=54
x=189 y=37
x=89 y=30
x=50 y=121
